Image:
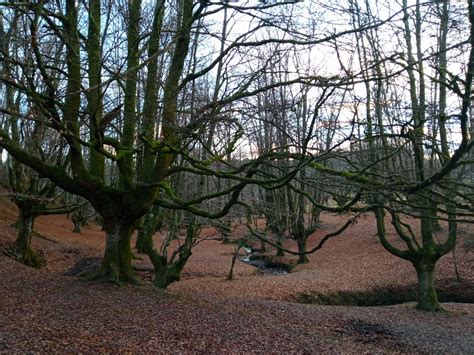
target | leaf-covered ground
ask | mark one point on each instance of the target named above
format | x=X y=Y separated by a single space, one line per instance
x=47 y=311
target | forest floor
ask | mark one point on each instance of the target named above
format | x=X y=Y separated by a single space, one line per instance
x=47 y=311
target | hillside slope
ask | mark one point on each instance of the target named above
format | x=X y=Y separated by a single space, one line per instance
x=44 y=310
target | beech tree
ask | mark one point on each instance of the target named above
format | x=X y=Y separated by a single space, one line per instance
x=32 y=195
x=109 y=121
x=121 y=206
x=406 y=160
x=151 y=100
x=408 y=128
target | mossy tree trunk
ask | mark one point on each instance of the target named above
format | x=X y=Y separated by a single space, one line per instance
x=423 y=248
x=169 y=273
x=30 y=207
x=22 y=248
x=427 y=296
x=61 y=105
x=302 y=258
x=117 y=262
x=151 y=222
x=77 y=227
x=143 y=237
x=316 y=215
x=279 y=243
x=423 y=257
x=168 y=270
x=224 y=227
x=94 y=94
x=300 y=230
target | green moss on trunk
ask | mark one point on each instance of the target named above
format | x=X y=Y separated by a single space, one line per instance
x=279 y=251
x=302 y=258
x=22 y=250
x=117 y=263
x=77 y=227
x=427 y=296
x=152 y=221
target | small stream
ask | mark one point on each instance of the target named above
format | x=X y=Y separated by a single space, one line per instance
x=254 y=258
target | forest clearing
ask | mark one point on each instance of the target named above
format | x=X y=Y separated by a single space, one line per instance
x=46 y=311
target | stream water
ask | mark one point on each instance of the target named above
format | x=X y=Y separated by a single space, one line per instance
x=260 y=261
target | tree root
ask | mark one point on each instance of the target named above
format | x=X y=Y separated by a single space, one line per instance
x=29 y=257
x=430 y=308
x=111 y=275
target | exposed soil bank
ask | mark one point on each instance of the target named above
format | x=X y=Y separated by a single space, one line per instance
x=448 y=291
